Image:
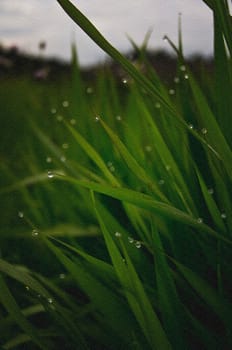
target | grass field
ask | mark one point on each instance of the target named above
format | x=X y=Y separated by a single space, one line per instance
x=116 y=205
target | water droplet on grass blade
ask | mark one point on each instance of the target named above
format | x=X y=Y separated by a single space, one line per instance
x=53 y=111
x=63 y=159
x=199 y=220
x=176 y=80
x=124 y=81
x=65 y=145
x=186 y=76
x=118 y=234
x=89 y=90
x=48 y=159
x=138 y=244
x=157 y=105
x=183 y=68
x=97 y=118
x=62 y=276
x=35 y=232
x=191 y=126
x=65 y=104
x=50 y=174
x=204 y=131
x=72 y=121
x=223 y=216
x=50 y=300
x=130 y=239
x=210 y=190
x=59 y=118
x=161 y=182
x=118 y=118
x=20 y=214
x=148 y=148
x=172 y=92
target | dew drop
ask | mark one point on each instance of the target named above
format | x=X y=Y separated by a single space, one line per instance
x=210 y=190
x=112 y=169
x=65 y=104
x=65 y=145
x=48 y=159
x=50 y=300
x=59 y=118
x=186 y=76
x=130 y=239
x=183 y=68
x=20 y=214
x=118 y=234
x=223 y=216
x=50 y=174
x=168 y=168
x=62 y=276
x=191 y=126
x=157 y=105
x=199 y=220
x=109 y=164
x=138 y=244
x=176 y=80
x=161 y=182
x=118 y=118
x=148 y=148
x=35 y=232
x=89 y=90
x=165 y=38
x=73 y=121
x=27 y=288
x=204 y=131
x=63 y=159
x=97 y=118
x=124 y=81
x=53 y=111
x=172 y=92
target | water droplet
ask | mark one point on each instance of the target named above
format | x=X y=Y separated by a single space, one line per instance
x=161 y=182
x=165 y=38
x=204 y=131
x=191 y=126
x=124 y=81
x=199 y=220
x=20 y=214
x=53 y=111
x=65 y=104
x=223 y=216
x=168 y=168
x=183 y=68
x=50 y=300
x=176 y=80
x=109 y=164
x=210 y=190
x=157 y=105
x=172 y=92
x=118 y=118
x=35 y=232
x=130 y=239
x=63 y=159
x=48 y=159
x=89 y=90
x=72 y=121
x=112 y=168
x=97 y=118
x=27 y=288
x=118 y=234
x=148 y=148
x=50 y=174
x=186 y=76
x=138 y=244
x=65 y=145
x=59 y=118
x=62 y=276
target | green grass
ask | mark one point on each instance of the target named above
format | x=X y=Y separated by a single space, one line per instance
x=117 y=207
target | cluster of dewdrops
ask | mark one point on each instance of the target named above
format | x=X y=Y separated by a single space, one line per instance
x=131 y=240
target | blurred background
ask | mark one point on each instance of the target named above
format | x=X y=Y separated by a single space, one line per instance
x=26 y=23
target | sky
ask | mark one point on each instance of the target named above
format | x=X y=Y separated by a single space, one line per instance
x=25 y=23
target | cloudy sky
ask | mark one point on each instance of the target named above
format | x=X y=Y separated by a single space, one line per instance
x=27 y=22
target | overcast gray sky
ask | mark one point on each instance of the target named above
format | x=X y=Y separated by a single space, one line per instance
x=26 y=22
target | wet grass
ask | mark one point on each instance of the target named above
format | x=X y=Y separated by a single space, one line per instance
x=117 y=220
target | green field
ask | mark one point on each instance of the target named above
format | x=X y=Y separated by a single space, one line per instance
x=116 y=209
